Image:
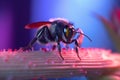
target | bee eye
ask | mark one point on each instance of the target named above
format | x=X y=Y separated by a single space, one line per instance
x=65 y=30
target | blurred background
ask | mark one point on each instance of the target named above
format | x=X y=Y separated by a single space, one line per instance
x=15 y=14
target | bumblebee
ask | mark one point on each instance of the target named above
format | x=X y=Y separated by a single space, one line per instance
x=57 y=30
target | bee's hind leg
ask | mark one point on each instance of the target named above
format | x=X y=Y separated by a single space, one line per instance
x=29 y=46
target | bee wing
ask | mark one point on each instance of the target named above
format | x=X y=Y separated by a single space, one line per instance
x=37 y=24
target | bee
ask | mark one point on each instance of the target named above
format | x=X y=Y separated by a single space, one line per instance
x=57 y=30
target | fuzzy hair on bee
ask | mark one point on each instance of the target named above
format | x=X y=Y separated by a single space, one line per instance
x=57 y=30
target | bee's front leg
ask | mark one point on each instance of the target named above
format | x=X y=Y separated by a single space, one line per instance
x=76 y=48
x=59 y=48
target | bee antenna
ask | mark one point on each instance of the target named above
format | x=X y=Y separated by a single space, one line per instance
x=81 y=32
x=86 y=36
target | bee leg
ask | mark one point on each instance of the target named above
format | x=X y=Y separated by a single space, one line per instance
x=29 y=46
x=76 y=48
x=32 y=42
x=59 y=48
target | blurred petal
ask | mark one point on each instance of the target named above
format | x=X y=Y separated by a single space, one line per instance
x=112 y=31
